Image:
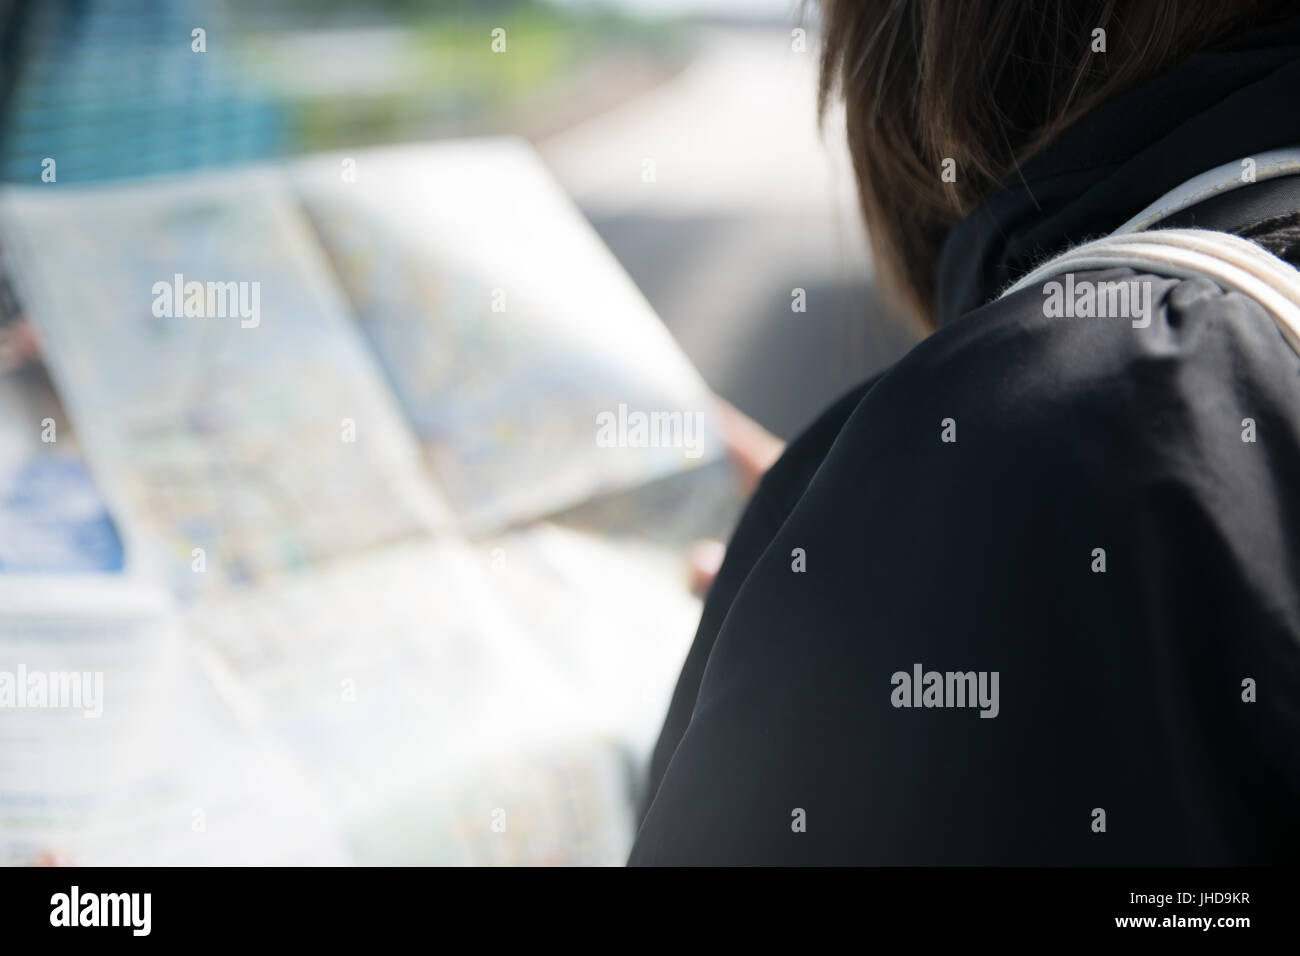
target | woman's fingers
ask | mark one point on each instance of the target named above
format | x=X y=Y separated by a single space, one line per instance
x=703 y=562
x=753 y=448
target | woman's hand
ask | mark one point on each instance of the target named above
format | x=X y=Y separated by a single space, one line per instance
x=753 y=450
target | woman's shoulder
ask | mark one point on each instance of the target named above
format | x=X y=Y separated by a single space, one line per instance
x=1081 y=509
x=1117 y=366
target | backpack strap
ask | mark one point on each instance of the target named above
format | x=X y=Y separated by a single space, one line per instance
x=1234 y=263
x=1227 y=197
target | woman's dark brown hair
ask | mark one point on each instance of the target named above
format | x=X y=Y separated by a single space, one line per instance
x=986 y=84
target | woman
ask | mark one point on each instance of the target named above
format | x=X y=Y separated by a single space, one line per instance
x=1032 y=595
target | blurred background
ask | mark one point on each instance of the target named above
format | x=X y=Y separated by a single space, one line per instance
x=749 y=199
x=359 y=584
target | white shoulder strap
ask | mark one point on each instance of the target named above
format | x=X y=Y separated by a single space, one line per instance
x=1234 y=263
x=1215 y=182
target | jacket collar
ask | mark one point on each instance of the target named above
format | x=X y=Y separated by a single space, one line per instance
x=1220 y=105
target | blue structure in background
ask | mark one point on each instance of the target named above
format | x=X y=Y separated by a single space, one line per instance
x=113 y=89
x=109 y=89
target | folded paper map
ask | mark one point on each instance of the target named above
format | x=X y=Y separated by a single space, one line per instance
x=410 y=460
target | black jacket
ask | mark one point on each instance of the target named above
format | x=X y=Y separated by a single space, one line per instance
x=1119 y=690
